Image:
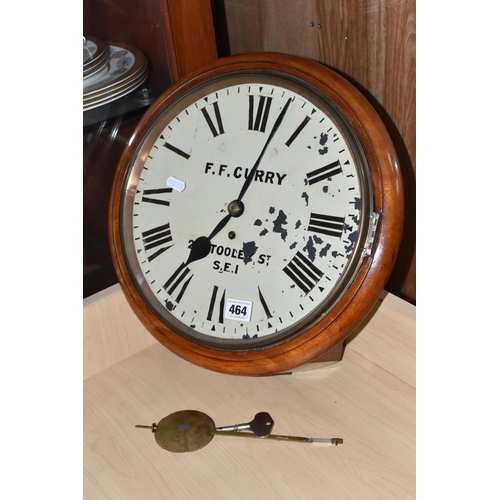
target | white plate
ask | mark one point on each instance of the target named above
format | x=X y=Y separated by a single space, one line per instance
x=125 y=63
x=113 y=97
x=93 y=50
x=96 y=76
x=96 y=65
x=117 y=88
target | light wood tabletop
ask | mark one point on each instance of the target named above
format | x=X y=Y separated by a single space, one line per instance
x=367 y=399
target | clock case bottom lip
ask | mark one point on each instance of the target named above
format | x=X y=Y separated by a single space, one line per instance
x=356 y=303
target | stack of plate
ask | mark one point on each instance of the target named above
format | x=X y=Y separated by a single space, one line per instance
x=110 y=71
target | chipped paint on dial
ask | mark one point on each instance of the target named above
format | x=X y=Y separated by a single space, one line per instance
x=287 y=251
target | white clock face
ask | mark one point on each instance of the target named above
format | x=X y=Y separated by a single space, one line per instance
x=285 y=257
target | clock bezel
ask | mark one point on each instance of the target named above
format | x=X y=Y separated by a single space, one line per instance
x=321 y=334
x=138 y=160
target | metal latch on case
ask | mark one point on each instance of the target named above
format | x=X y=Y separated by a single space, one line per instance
x=372 y=232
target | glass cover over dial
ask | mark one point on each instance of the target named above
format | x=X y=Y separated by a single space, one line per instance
x=246 y=211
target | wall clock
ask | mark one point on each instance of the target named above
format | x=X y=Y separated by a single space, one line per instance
x=256 y=214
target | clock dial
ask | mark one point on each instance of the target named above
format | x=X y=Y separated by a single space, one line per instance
x=246 y=211
x=256 y=214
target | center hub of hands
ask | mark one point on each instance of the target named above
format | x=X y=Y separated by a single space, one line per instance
x=235 y=208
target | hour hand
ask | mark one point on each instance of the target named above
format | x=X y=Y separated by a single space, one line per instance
x=202 y=245
x=199 y=249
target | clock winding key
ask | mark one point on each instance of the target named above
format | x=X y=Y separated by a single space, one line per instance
x=261 y=425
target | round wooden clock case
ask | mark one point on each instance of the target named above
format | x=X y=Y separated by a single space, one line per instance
x=256 y=214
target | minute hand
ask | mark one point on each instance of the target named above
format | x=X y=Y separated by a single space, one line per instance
x=276 y=126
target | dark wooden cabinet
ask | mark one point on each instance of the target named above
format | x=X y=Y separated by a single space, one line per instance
x=176 y=37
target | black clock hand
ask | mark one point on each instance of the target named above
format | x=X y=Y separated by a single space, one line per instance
x=202 y=245
x=199 y=249
x=275 y=128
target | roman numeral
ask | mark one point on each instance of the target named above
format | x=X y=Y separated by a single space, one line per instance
x=303 y=272
x=177 y=150
x=213 y=300
x=324 y=172
x=156 y=237
x=220 y=128
x=181 y=278
x=326 y=224
x=147 y=192
x=258 y=121
x=298 y=130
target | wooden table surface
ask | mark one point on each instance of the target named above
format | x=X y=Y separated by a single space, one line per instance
x=368 y=399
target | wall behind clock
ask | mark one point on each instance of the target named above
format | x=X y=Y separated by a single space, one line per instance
x=372 y=44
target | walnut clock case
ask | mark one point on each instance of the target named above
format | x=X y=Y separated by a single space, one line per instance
x=256 y=214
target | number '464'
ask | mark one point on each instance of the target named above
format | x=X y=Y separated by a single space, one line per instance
x=238 y=310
